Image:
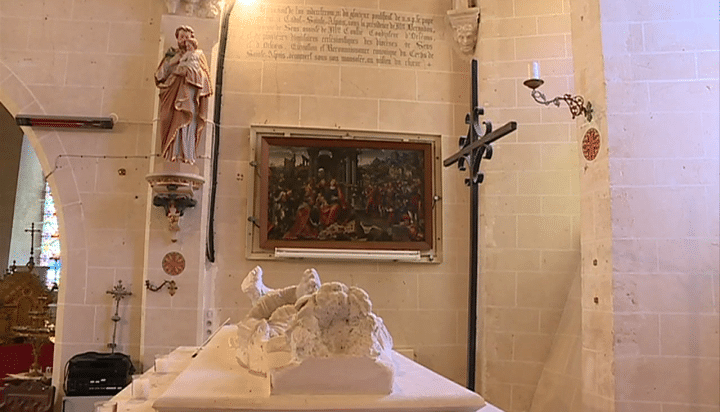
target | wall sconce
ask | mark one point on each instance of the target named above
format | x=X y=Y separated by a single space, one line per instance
x=171 y=286
x=576 y=104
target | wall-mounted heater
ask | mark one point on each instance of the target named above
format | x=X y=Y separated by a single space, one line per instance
x=348 y=254
x=65 y=122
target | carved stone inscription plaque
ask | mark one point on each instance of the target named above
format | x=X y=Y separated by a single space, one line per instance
x=302 y=33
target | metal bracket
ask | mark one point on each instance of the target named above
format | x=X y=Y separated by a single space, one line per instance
x=576 y=104
x=172 y=287
x=254 y=221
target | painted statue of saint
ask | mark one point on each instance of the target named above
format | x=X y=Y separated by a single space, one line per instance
x=183 y=78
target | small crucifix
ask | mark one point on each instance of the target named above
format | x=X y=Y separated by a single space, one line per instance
x=473 y=148
x=118 y=292
x=32 y=230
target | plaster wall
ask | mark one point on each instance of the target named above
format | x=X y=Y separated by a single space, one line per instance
x=662 y=114
x=530 y=199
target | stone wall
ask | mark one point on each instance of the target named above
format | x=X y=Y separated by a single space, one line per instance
x=596 y=298
x=97 y=58
x=89 y=59
x=378 y=66
x=649 y=291
x=560 y=385
x=530 y=204
x=662 y=114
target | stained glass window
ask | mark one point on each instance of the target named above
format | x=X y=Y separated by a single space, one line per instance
x=50 y=245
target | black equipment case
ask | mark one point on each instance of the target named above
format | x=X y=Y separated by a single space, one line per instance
x=95 y=374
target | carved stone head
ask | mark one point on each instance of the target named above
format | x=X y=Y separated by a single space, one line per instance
x=196 y=8
x=466 y=37
x=465 y=24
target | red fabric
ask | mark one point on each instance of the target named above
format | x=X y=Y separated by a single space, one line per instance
x=19 y=358
x=302 y=229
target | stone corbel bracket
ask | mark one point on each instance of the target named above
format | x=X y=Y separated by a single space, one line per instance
x=206 y=9
x=465 y=23
x=174 y=192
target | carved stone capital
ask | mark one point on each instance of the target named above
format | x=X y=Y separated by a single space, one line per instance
x=465 y=24
x=207 y=9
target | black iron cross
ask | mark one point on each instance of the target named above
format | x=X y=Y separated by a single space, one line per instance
x=473 y=148
x=32 y=230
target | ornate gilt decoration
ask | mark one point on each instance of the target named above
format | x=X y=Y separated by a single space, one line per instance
x=41 y=329
x=29 y=396
x=23 y=295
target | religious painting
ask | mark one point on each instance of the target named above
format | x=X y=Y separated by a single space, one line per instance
x=352 y=192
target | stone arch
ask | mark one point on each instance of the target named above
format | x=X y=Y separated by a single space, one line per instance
x=18 y=98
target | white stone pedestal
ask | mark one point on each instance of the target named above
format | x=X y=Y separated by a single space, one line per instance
x=215 y=382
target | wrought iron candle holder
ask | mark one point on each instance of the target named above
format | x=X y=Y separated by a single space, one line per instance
x=576 y=104
x=171 y=286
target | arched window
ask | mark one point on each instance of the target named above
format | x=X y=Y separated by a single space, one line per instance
x=50 y=243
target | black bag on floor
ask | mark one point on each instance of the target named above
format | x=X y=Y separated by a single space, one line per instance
x=94 y=374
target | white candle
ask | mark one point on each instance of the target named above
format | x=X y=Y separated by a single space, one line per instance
x=140 y=387
x=461 y=4
x=162 y=364
x=104 y=406
x=534 y=70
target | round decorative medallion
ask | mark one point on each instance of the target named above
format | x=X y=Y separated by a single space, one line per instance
x=591 y=144
x=173 y=263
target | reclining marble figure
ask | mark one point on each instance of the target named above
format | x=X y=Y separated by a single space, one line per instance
x=314 y=338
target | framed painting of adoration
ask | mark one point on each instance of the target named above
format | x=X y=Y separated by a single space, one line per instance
x=339 y=190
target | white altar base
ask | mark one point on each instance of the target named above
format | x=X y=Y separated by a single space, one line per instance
x=214 y=382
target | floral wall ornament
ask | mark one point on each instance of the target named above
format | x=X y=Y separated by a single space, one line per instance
x=173 y=263
x=465 y=23
x=591 y=144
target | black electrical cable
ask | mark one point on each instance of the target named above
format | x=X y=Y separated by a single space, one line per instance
x=210 y=245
